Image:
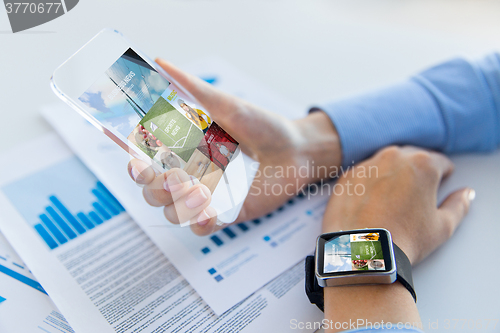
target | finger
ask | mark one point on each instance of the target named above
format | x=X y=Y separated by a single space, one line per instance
x=238 y=117
x=186 y=207
x=453 y=209
x=219 y=104
x=205 y=223
x=176 y=182
x=141 y=172
x=155 y=193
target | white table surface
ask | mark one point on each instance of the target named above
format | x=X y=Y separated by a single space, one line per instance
x=308 y=51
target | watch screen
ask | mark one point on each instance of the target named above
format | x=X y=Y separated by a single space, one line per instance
x=354 y=252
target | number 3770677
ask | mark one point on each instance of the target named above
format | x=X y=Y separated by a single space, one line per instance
x=31 y=7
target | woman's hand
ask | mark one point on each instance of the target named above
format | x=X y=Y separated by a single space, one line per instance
x=398 y=191
x=277 y=143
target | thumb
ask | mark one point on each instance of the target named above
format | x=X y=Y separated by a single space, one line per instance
x=453 y=209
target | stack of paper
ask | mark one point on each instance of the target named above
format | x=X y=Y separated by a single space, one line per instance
x=110 y=263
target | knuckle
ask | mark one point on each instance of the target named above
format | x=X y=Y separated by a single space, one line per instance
x=387 y=158
x=390 y=152
x=422 y=160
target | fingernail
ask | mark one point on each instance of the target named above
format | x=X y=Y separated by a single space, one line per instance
x=471 y=195
x=136 y=174
x=173 y=183
x=165 y=185
x=196 y=198
x=203 y=218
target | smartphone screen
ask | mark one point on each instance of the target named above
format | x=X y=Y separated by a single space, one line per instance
x=133 y=99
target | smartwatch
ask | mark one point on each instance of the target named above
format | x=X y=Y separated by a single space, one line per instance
x=356 y=257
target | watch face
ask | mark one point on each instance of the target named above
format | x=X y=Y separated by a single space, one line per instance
x=354 y=251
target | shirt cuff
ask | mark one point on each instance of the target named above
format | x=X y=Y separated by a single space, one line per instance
x=402 y=114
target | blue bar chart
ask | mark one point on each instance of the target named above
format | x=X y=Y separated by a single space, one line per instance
x=62 y=225
x=231 y=233
x=61 y=207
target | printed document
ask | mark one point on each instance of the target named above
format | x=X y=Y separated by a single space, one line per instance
x=235 y=261
x=98 y=266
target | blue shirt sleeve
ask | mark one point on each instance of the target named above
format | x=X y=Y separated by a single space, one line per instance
x=453 y=107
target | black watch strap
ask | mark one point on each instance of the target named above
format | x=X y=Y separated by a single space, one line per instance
x=403 y=265
x=315 y=293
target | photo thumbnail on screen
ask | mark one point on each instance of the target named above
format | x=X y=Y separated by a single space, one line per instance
x=354 y=252
x=132 y=99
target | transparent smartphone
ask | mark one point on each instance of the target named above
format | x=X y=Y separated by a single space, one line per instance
x=140 y=107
